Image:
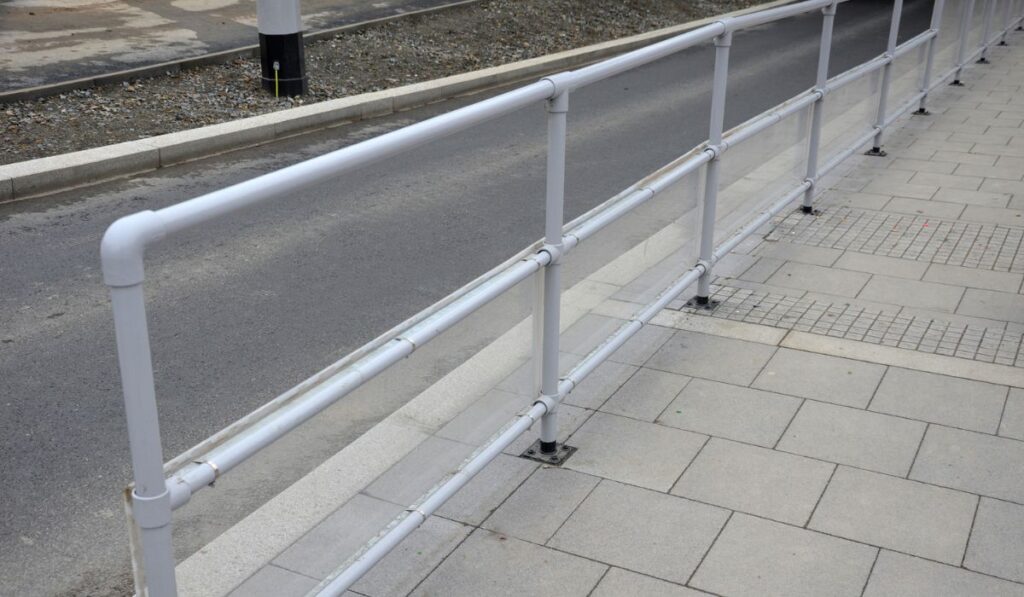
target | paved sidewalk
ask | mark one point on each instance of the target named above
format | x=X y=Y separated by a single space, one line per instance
x=849 y=421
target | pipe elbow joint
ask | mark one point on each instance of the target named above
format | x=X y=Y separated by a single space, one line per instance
x=560 y=85
x=123 y=246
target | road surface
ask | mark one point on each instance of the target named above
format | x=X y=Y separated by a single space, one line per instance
x=243 y=309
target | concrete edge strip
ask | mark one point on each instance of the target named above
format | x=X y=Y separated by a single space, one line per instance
x=906 y=359
x=31 y=178
x=219 y=57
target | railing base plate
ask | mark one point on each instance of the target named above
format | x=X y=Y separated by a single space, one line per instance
x=556 y=458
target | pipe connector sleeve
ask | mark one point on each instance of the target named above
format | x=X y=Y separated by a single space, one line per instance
x=704 y=265
x=152 y=512
x=556 y=252
x=124 y=244
x=550 y=403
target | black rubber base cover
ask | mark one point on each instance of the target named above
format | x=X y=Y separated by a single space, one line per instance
x=560 y=454
x=288 y=53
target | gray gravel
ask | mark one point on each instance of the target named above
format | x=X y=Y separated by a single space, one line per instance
x=416 y=48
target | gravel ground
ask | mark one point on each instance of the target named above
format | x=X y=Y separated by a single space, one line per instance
x=400 y=52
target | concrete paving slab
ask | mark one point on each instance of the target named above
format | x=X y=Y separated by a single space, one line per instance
x=906 y=516
x=855 y=437
x=762 y=270
x=819 y=279
x=638 y=349
x=940 y=399
x=880 y=264
x=983 y=198
x=899 y=575
x=1012 y=424
x=710 y=357
x=597 y=387
x=784 y=251
x=758 y=481
x=925 y=207
x=997 y=540
x=631 y=451
x=491 y=564
x=273 y=581
x=821 y=377
x=760 y=558
x=406 y=482
x=485 y=417
x=646 y=394
x=993 y=305
x=911 y=293
x=619 y=582
x=731 y=412
x=542 y=504
x=338 y=537
x=482 y=495
x=640 y=530
x=402 y=569
x=973 y=277
x=972 y=462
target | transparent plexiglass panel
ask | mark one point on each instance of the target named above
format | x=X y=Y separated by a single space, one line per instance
x=948 y=40
x=906 y=77
x=850 y=113
x=758 y=171
x=626 y=265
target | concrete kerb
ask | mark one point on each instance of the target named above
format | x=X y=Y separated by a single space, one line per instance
x=32 y=178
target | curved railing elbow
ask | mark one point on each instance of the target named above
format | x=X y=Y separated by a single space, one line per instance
x=124 y=244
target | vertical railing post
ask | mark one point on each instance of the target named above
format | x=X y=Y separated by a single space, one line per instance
x=1020 y=16
x=883 y=96
x=1007 y=20
x=824 y=52
x=986 y=34
x=966 y=20
x=707 y=233
x=558 y=108
x=150 y=500
x=926 y=78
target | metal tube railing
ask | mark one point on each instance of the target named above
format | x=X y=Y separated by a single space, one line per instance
x=159 y=488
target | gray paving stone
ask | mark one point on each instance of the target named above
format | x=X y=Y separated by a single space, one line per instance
x=993 y=305
x=638 y=349
x=907 y=516
x=899 y=575
x=855 y=437
x=995 y=215
x=340 y=535
x=485 y=492
x=762 y=270
x=760 y=558
x=712 y=357
x=491 y=564
x=880 y=264
x=646 y=394
x=272 y=581
x=997 y=541
x=940 y=399
x=911 y=293
x=1013 y=417
x=972 y=462
x=822 y=377
x=819 y=279
x=632 y=451
x=755 y=480
x=402 y=569
x=485 y=417
x=925 y=207
x=640 y=530
x=600 y=385
x=984 y=198
x=586 y=333
x=916 y=191
x=732 y=412
x=784 y=251
x=973 y=277
x=536 y=510
x=406 y=482
x=620 y=583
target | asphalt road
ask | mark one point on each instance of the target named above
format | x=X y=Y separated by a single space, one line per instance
x=242 y=309
x=42 y=41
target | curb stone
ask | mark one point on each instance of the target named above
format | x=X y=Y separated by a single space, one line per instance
x=32 y=178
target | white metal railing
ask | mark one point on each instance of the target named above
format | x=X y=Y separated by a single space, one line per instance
x=159 y=488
